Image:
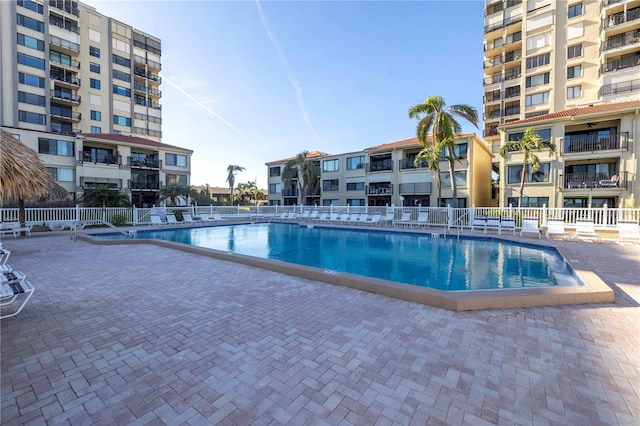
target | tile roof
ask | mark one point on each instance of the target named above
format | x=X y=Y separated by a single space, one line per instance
x=576 y=112
x=312 y=154
x=411 y=141
x=130 y=139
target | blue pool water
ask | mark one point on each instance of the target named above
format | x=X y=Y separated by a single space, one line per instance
x=418 y=259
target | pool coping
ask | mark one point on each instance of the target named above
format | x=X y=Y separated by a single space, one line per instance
x=594 y=290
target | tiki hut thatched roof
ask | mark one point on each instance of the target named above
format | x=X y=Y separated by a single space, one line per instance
x=22 y=175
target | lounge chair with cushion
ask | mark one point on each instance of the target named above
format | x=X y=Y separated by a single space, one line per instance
x=155 y=220
x=171 y=219
x=530 y=226
x=13 y=286
x=218 y=218
x=493 y=223
x=628 y=230
x=405 y=219
x=585 y=228
x=556 y=227
x=186 y=218
x=388 y=218
x=508 y=224
x=374 y=220
x=479 y=222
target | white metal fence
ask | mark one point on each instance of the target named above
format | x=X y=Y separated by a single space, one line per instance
x=447 y=217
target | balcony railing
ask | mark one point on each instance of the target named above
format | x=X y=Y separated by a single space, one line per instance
x=380 y=166
x=502 y=24
x=88 y=157
x=148 y=75
x=149 y=90
x=141 y=60
x=64 y=23
x=65 y=78
x=89 y=182
x=144 y=185
x=290 y=192
x=63 y=96
x=409 y=164
x=621 y=62
x=69 y=8
x=148 y=163
x=415 y=188
x=623 y=87
x=592 y=142
x=621 y=18
x=601 y=180
x=65 y=115
x=380 y=190
x=620 y=40
x=72 y=64
x=65 y=44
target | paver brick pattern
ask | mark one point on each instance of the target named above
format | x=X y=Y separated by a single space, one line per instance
x=139 y=334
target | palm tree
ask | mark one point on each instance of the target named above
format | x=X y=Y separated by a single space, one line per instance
x=101 y=196
x=434 y=115
x=302 y=168
x=431 y=155
x=173 y=192
x=530 y=142
x=231 y=177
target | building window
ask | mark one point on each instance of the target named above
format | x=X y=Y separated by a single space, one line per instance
x=331 y=185
x=93 y=67
x=122 y=61
x=32 y=117
x=122 y=121
x=462 y=203
x=94 y=51
x=575 y=10
x=274 y=171
x=30 y=61
x=537 y=99
x=31 y=80
x=95 y=129
x=123 y=91
x=574 y=72
x=176 y=160
x=96 y=115
x=535 y=114
x=514 y=174
x=30 y=23
x=460 y=150
x=461 y=178
x=355 y=202
x=61 y=174
x=61 y=58
x=355 y=162
x=55 y=147
x=529 y=201
x=544 y=134
x=275 y=188
x=31 y=99
x=574 y=51
x=94 y=83
x=355 y=186
x=538 y=61
x=574 y=92
x=177 y=180
x=31 y=42
x=327 y=203
x=119 y=75
x=330 y=165
x=537 y=80
x=31 y=5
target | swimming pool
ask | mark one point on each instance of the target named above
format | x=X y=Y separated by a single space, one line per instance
x=417 y=259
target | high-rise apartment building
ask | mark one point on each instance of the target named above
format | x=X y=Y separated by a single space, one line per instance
x=543 y=56
x=83 y=90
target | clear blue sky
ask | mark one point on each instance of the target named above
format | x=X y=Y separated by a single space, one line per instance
x=248 y=82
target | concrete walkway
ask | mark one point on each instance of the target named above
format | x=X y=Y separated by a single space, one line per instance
x=139 y=334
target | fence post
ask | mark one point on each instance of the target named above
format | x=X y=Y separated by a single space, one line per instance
x=605 y=218
x=472 y=214
x=77 y=213
x=450 y=216
x=544 y=214
x=135 y=215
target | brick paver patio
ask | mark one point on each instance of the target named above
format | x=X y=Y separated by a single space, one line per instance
x=140 y=334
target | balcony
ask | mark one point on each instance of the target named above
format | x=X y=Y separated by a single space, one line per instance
x=617 y=88
x=142 y=186
x=504 y=23
x=600 y=180
x=148 y=163
x=512 y=56
x=385 y=165
x=593 y=142
x=67 y=45
x=65 y=7
x=380 y=190
x=147 y=103
x=621 y=18
x=67 y=64
x=64 y=23
x=63 y=76
x=98 y=158
x=65 y=97
x=621 y=62
x=148 y=132
x=415 y=188
x=620 y=40
x=147 y=75
x=290 y=192
x=409 y=164
x=150 y=91
x=150 y=63
x=62 y=114
x=493 y=79
x=90 y=182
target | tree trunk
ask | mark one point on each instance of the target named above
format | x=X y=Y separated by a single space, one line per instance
x=439 y=183
x=22 y=216
x=524 y=171
x=454 y=187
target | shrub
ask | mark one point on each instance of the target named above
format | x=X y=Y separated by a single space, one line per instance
x=118 y=220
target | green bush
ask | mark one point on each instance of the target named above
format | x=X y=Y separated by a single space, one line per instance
x=178 y=214
x=118 y=220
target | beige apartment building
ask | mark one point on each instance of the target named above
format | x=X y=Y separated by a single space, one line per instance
x=544 y=57
x=386 y=174
x=74 y=76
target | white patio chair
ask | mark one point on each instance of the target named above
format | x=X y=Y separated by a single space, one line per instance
x=556 y=227
x=628 y=230
x=530 y=226
x=479 y=222
x=216 y=217
x=585 y=228
x=405 y=219
x=508 y=224
x=493 y=224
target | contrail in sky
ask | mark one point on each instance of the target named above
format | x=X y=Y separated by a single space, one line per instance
x=206 y=108
x=285 y=65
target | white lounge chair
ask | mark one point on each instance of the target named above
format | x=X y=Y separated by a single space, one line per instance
x=556 y=227
x=389 y=218
x=508 y=224
x=585 y=228
x=333 y=217
x=405 y=219
x=364 y=218
x=186 y=218
x=374 y=220
x=479 y=222
x=155 y=220
x=313 y=215
x=171 y=219
x=322 y=217
x=13 y=286
x=493 y=223
x=354 y=218
x=216 y=217
x=628 y=230
x=15 y=228
x=530 y=226
x=344 y=218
